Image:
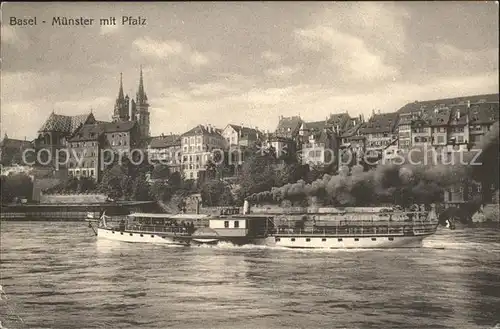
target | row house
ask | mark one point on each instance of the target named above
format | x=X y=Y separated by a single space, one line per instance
x=166 y=149
x=198 y=145
x=451 y=124
x=458 y=128
x=481 y=117
x=286 y=139
x=404 y=130
x=352 y=141
x=422 y=128
x=340 y=122
x=439 y=119
x=86 y=146
x=319 y=143
x=380 y=133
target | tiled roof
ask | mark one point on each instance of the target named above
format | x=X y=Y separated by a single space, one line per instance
x=380 y=123
x=120 y=126
x=483 y=113
x=316 y=125
x=246 y=132
x=458 y=115
x=92 y=131
x=203 y=130
x=65 y=123
x=340 y=120
x=288 y=127
x=88 y=132
x=324 y=136
x=165 y=141
x=353 y=130
x=415 y=106
x=439 y=117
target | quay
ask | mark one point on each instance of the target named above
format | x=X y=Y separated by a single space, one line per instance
x=67 y=211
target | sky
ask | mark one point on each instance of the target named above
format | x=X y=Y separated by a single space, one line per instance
x=243 y=62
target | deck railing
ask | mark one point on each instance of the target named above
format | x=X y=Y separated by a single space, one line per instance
x=393 y=230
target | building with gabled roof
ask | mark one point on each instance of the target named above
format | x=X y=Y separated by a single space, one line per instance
x=288 y=127
x=166 y=149
x=340 y=122
x=320 y=146
x=87 y=144
x=481 y=118
x=239 y=135
x=54 y=133
x=197 y=146
x=11 y=151
x=380 y=131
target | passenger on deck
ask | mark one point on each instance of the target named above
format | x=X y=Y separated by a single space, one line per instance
x=122 y=225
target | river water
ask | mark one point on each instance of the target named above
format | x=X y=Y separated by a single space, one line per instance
x=57 y=275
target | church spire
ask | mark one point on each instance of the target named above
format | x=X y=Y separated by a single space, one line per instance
x=120 y=93
x=141 y=95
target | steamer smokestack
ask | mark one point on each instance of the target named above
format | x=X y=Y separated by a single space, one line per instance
x=246 y=207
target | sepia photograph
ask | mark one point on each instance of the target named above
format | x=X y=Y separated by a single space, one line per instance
x=241 y=165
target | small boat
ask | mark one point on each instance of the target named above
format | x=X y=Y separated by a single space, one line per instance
x=142 y=227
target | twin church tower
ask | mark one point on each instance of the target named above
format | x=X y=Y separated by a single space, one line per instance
x=126 y=109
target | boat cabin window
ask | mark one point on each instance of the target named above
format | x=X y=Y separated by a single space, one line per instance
x=236 y=224
x=226 y=223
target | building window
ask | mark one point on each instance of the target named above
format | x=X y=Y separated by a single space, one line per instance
x=236 y=224
x=226 y=223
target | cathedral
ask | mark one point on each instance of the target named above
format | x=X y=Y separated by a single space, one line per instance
x=128 y=109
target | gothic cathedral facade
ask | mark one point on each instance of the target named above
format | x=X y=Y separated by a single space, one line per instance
x=128 y=109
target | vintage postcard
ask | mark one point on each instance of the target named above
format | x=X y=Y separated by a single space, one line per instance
x=249 y=165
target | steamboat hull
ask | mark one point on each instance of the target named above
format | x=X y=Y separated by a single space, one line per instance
x=337 y=242
x=142 y=237
x=237 y=241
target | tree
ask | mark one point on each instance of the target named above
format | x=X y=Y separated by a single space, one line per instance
x=216 y=193
x=140 y=189
x=17 y=185
x=86 y=184
x=257 y=174
x=160 y=171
